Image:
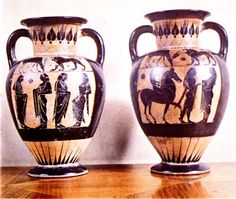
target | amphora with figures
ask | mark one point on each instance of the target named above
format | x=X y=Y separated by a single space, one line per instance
x=180 y=91
x=56 y=97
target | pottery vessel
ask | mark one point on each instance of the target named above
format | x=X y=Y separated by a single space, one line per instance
x=56 y=97
x=179 y=92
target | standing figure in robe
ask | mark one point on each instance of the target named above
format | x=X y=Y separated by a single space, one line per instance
x=207 y=94
x=40 y=100
x=21 y=101
x=62 y=100
x=80 y=100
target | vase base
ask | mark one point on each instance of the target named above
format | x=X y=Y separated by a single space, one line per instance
x=180 y=169
x=57 y=171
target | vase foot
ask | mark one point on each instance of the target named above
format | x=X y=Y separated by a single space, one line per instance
x=180 y=169
x=57 y=171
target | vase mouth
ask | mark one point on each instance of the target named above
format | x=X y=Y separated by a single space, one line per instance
x=51 y=20
x=177 y=14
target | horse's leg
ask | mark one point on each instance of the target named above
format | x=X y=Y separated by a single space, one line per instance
x=165 y=111
x=182 y=113
x=42 y=66
x=145 y=112
x=164 y=59
x=147 y=63
x=198 y=62
x=188 y=115
x=37 y=67
x=55 y=68
x=209 y=57
x=213 y=60
x=176 y=104
x=149 y=110
x=161 y=57
x=62 y=67
x=169 y=59
x=75 y=64
x=34 y=66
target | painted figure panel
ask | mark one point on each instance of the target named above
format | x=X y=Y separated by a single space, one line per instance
x=46 y=94
x=186 y=94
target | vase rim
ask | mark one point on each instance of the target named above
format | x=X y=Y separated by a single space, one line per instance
x=177 y=14
x=50 y=20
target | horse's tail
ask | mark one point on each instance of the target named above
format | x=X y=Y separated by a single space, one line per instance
x=144 y=96
x=139 y=93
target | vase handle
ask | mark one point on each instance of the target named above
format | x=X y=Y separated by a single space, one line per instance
x=11 y=43
x=99 y=43
x=134 y=40
x=222 y=34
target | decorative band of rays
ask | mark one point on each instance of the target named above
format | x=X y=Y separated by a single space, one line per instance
x=180 y=150
x=57 y=152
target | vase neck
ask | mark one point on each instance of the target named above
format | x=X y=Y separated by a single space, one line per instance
x=182 y=32
x=55 y=39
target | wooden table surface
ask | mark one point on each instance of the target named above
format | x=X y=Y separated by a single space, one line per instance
x=121 y=181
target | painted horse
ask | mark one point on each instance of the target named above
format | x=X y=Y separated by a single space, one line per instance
x=164 y=93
